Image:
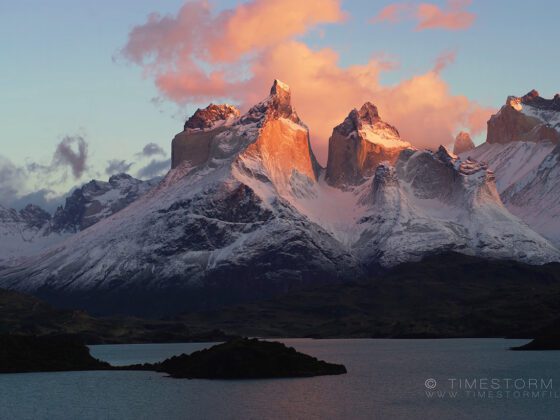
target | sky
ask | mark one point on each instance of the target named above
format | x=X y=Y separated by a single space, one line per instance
x=92 y=88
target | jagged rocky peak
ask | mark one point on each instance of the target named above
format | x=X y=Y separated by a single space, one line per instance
x=463 y=143
x=34 y=216
x=359 y=144
x=210 y=116
x=526 y=118
x=199 y=142
x=277 y=105
x=356 y=119
x=281 y=151
x=281 y=94
x=97 y=200
x=269 y=141
x=534 y=99
x=445 y=155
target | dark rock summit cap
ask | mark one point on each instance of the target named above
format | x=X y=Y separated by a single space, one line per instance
x=205 y=118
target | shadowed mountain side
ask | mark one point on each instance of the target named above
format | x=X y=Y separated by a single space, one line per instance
x=450 y=295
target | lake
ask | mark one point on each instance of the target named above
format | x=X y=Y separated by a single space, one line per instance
x=387 y=379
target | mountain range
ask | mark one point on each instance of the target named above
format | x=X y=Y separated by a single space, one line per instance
x=32 y=229
x=246 y=211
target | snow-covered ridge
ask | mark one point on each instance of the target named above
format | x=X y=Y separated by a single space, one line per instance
x=31 y=230
x=383 y=136
x=528 y=180
x=24 y=233
x=432 y=202
x=522 y=150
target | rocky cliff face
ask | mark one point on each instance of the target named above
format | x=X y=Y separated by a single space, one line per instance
x=194 y=143
x=526 y=118
x=359 y=144
x=463 y=143
x=281 y=152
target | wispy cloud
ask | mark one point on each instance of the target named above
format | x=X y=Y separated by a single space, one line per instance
x=151 y=149
x=453 y=17
x=72 y=151
x=154 y=168
x=116 y=166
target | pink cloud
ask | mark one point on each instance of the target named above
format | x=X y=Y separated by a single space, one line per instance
x=444 y=60
x=454 y=18
x=393 y=13
x=429 y=16
x=189 y=63
x=260 y=23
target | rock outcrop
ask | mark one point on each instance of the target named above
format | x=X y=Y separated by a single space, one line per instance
x=527 y=118
x=359 y=144
x=463 y=143
x=194 y=143
x=211 y=116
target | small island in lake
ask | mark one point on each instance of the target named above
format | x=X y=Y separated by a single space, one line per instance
x=246 y=358
x=240 y=358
